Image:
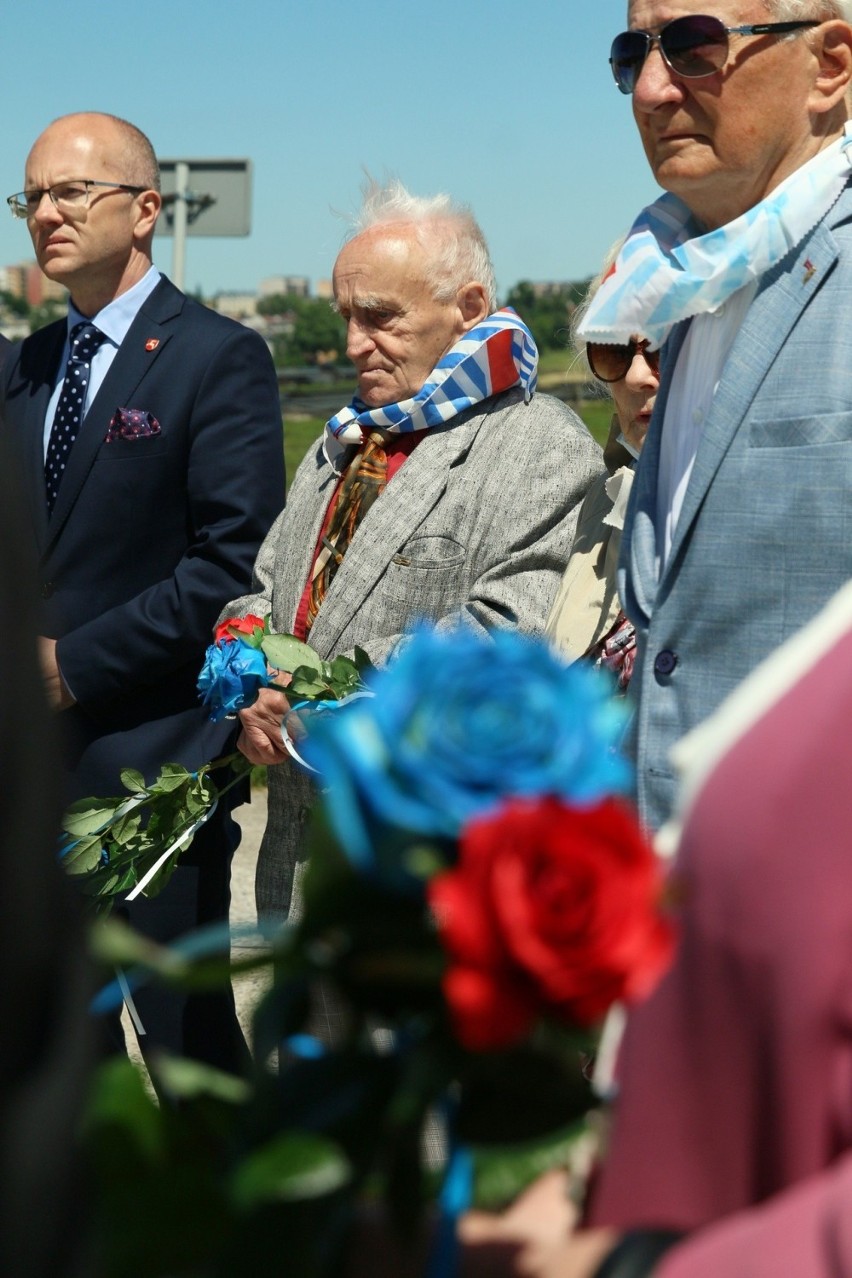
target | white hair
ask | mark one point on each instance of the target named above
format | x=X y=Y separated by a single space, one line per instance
x=459 y=254
x=794 y=10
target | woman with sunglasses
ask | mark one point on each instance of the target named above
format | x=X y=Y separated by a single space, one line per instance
x=586 y=618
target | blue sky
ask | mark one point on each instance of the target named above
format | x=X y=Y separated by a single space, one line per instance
x=507 y=104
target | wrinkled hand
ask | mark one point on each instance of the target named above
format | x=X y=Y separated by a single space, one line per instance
x=534 y=1238
x=261 y=740
x=58 y=696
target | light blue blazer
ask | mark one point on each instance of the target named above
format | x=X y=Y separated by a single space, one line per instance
x=765 y=535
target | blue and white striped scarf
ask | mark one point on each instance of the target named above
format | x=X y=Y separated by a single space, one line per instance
x=491 y=357
x=668 y=271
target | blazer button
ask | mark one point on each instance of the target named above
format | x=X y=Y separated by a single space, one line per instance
x=47 y=589
x=665 y=662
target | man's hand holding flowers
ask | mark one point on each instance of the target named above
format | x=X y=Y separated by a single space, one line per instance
x=245 y=672
x=261 y=739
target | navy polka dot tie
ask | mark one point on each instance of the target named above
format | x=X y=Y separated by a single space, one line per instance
x=84 y=341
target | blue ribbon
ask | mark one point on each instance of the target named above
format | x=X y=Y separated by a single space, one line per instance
x=455 y=1199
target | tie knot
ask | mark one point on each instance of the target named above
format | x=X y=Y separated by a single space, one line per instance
x=85 y=339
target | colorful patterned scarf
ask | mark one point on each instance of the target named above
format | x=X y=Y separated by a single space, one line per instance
x=364 y=481
x=495 y=355
x=668 y=271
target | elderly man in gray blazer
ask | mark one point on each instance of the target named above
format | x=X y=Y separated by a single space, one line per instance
x=445 y=491
x=738 y=527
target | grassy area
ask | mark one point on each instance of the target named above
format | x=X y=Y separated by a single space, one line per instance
x=597 y=414
x=300 y=433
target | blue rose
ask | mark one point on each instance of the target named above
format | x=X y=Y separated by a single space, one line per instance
x=459 y=723
x=231 y=677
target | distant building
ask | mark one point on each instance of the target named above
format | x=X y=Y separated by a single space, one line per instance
x=325 y=290
x=550 y=288
x=13 y=279
x=283 y=285
x=25 y=279
x=238 y=306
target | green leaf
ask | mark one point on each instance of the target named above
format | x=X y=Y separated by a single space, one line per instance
x=286 y=652
x=503 y=1172
x=89 y=816
x=362 y=660
x=423 y=860
x=185 y=1079
x=293 y=1166
x=84 y=856
x=133 y=780
x=115 y=944
x=171 y=777
x=307 y=682
x=118 y=1101
x=125 y=830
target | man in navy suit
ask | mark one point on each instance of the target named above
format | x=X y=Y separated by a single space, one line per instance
x=151 y=518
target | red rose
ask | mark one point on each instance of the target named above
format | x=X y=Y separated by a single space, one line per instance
x=227 y=630
x=551 y=910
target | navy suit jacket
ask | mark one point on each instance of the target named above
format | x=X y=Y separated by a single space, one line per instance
x=150 y=536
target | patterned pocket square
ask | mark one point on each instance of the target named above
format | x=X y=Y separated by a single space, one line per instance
x=132 y=423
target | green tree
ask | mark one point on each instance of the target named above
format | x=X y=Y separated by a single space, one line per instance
x=14 y=305
x=46 y=313
x=317 y=330
x=548 y=316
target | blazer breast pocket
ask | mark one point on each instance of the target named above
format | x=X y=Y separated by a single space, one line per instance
x=430 y=553
x=142 y=448
x=801 y=432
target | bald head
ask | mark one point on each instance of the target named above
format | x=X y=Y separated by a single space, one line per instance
x=100 y=245
x=119 y=141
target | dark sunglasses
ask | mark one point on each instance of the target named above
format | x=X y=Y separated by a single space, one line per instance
x=692 y=47
x=610 y=363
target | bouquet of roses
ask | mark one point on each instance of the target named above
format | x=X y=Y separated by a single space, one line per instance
x=246 y=655
x=477 y=896
x=130 y=844
x=476 y=885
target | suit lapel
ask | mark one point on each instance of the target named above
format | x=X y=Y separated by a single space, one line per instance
x=409 y=497
x=145 y=340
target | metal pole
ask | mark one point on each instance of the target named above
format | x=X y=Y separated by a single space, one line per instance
x=179 y=225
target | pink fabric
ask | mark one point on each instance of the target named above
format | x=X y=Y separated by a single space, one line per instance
x=736 y=1076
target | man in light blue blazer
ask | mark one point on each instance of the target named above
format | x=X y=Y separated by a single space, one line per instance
x=739 y=525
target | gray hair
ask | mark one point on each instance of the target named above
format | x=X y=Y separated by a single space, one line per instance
x=794 y=10
x=460 y=254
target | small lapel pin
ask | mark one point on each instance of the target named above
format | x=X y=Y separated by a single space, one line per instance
x=152 y=343
x=810 y=271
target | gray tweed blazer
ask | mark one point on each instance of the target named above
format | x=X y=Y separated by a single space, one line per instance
x=475 y=528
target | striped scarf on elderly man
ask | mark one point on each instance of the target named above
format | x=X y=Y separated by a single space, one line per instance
x=492 y=357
